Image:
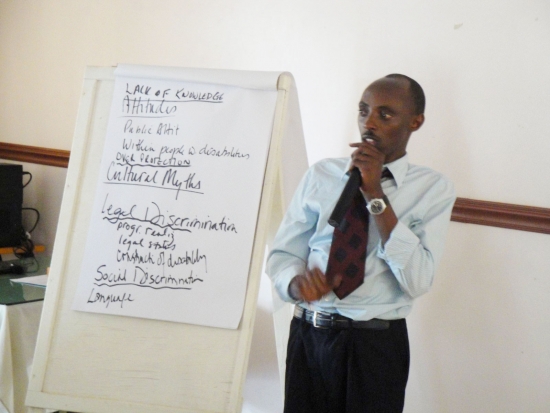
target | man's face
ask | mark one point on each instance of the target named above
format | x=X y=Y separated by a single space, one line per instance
x=386 y=117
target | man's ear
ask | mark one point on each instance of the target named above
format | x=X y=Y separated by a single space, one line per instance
x=417 y=122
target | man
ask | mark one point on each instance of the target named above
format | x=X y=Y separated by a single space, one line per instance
x=348 y=349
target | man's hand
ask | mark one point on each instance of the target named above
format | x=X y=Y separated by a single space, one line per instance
x=312 y=286
x=370 y=161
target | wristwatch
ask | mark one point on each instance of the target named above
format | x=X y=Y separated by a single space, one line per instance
x=377 y=205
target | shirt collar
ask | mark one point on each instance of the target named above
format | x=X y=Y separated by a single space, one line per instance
x=398 y=168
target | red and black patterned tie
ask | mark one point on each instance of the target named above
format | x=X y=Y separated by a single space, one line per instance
x=348 y=251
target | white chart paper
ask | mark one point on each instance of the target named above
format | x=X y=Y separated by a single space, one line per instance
x=177 y=199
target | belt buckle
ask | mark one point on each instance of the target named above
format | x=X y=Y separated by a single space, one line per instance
x=315 y=319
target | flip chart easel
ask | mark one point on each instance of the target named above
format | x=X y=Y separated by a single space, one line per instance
x=88 y=362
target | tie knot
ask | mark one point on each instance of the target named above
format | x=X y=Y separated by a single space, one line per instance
x=386 y=173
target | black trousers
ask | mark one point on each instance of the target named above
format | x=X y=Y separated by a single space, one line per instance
x=346 y=371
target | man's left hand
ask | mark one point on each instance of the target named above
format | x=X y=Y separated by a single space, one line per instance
x=370 y=161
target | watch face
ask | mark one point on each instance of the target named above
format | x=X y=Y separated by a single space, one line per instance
x=376 y=206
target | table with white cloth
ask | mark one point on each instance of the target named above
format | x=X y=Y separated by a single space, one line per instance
x=20 y=309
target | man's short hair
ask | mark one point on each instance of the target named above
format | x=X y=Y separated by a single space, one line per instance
x=417 y=93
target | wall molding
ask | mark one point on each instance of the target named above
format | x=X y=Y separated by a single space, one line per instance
x=469 y=211
x=497 y=214
x=34 y=154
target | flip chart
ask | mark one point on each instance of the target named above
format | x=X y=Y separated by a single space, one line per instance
x=177 y=199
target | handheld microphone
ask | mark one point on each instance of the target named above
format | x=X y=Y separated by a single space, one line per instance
x=336 y=219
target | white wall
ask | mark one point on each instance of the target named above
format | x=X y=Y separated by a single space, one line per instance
x=480 y=338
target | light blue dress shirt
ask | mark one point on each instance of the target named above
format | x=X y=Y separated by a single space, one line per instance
x=395 y=273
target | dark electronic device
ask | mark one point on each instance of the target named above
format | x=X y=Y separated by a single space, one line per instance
x=11 y=268
x=11 y=203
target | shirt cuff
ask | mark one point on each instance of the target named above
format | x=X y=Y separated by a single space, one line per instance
x=400 y=246
x=283 y=282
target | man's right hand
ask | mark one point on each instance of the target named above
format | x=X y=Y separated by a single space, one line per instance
x=312 y=286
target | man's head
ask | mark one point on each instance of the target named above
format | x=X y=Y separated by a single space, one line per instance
x=391 y=108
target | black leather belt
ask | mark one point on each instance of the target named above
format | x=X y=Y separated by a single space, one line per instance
x=320 y=319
